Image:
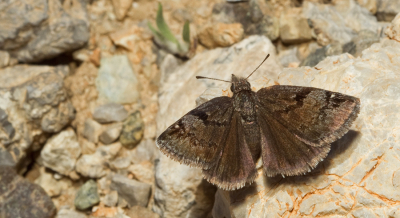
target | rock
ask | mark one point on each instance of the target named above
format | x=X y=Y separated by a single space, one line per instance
x=393 y=31
x=363 y=40
x=5 y=59
x=121 y=7
x=28 y=97
x=111 y=199
x=102 y=211
x=387 y=10
x=140 y=212
x=50 y=185
x=95 y=165
x=87 y=147
x=321 y=53
x=17 y=193
x=108 y=152
x=182 y=15
x=61 y=152
x=110 y=134
x=251 y=17
x=116 y=81
x=38 y=30
x=109 y=113
x=181 y=190
x=6 y=158
x=6 y=126
x=87 y=196
x=221 y=35
x=68 y=213
x=288 y=56
x=143 y=172
x=371 y=5
x=134 y=192
x=294 y=28
x=132 y=130
x=121 y=163
x=57 y=118
x=359 y=176
x=339 y=23
x=92 y=130
x=91 y=165
x=145 y=151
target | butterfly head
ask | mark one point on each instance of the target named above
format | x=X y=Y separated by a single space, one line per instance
x=239 y=84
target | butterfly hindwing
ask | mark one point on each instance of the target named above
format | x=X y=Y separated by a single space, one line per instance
x=197 y=138
x=282 y=152
x=315 y=116
x=235 y=165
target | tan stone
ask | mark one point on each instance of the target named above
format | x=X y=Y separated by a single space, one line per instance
x=221 y=35
x=393 y=31
x=121 y=7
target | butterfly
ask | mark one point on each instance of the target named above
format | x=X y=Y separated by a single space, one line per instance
x=290 y=127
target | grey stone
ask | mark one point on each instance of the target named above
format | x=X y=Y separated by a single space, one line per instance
x=17 y=193
x=109 y=113
x=58 y=117
x=87 y=196
x=387 y=10
x=363 y=40
x=338 y=23
x=110 y=134
x=92 y=130
x=116 y=81
x=132 y=130
x=37 y=29
x=61 y=152
x=141 y=212
x=321 y=53
x=181 y=190
x=6 y=126
x=360 y=176
x=68 y=213
x=111 y=199
x=6 y=158
x=134 y=192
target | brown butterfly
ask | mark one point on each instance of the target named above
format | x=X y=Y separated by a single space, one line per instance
x=290 y=127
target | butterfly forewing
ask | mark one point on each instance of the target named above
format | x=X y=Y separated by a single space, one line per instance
x=196 y=139
x=315 y=116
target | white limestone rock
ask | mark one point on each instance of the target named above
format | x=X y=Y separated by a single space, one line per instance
x=61 y=152
x=361 y=175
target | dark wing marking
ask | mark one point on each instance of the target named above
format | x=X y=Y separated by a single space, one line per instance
x=315 y=116
x=196 y=138
x=235 y=166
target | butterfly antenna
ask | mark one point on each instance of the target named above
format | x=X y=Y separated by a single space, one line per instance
x=258 y=66
x=203 y=77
